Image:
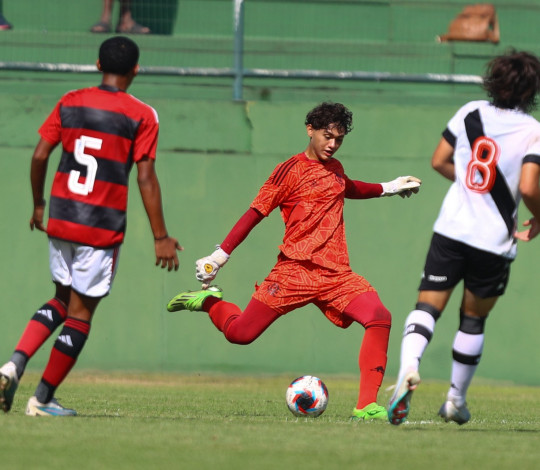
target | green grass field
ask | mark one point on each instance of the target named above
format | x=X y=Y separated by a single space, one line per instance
x=135 y=421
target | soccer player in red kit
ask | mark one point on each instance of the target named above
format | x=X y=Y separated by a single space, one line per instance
x=313 y=263
x=103 y=132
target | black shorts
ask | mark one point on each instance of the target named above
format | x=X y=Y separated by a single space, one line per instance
x=448 y=261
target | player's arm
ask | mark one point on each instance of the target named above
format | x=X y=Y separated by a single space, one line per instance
x=241 y=229
x=530 y=193
x=355 y=189
x=442 y=160
x=164 y=245
x=208 y=267
x=38 y=171
x=405 y=186
x=274 y=191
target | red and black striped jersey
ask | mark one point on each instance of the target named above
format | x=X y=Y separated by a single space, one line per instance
x=103 y=131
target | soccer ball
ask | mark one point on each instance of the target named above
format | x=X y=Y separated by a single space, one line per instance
x=307 y=396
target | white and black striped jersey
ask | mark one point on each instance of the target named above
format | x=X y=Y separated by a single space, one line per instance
x=490 y=145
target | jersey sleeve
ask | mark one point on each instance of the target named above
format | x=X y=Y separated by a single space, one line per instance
x=449 y=137
x=532 y=158
x=147 y=136
x=456 y=124
x=532 y=154
x=355 y=189
x=277 y=188
x=51 y=129
x=452 y=128
x=241 y=230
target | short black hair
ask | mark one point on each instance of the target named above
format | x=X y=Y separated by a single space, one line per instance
x=118 y=55
x=512 y=81
x=328 y=113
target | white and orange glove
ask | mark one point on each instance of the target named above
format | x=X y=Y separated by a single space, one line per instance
x=208 y=267
x=405 y=186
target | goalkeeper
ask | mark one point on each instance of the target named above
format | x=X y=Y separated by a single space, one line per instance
x=313 y=263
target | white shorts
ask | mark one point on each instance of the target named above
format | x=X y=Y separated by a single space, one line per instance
x=89 y=271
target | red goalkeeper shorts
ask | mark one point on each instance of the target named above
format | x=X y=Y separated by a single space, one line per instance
x=292 y=284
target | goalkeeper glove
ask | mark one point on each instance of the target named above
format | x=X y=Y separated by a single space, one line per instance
x=208 y=267
x=403 y=185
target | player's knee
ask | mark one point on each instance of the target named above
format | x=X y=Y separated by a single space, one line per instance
x=428 y=308
x=236 y=333
x=238 y=336
x=471 y=325
x=368 y=310
x=379 y=316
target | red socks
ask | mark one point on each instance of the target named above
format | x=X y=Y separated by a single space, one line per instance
x=372 y=361
x=64 y=354
x=41 y=326
x=221 y=313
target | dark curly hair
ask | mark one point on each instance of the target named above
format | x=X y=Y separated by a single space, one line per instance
x=512 y=81
x=118 y=55
x=328 y=113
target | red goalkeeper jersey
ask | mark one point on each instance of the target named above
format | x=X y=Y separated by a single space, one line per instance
x=103 y=131
x=310 y=195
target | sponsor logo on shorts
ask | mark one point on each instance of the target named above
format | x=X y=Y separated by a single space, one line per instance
x=434 y=278
x=273 y=289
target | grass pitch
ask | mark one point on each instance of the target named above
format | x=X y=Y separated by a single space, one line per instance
x=168 y=421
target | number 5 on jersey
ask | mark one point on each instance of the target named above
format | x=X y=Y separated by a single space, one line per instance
x=81 y=144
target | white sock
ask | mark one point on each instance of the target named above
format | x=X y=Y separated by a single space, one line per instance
x=469 y=345
x=414 y=343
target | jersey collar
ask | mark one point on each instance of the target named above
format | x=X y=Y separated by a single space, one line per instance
x=109 y=88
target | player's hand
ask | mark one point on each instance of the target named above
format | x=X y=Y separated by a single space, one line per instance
x=166 y=253
x=36 y=221
x=405 y=186
x=528 y=235
x=208 y=267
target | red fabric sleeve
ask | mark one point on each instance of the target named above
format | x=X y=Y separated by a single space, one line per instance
x=241 y=230
x=360 y=190
x=145 y=144
x=51 y=129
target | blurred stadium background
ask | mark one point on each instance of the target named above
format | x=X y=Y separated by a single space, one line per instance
x=379 y=57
